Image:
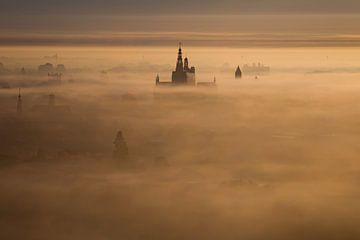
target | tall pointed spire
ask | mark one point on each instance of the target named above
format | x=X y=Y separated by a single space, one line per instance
x=19 y=103
x=179 y=63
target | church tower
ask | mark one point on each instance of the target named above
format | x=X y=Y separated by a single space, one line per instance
x=183 y=74
x=19 y=103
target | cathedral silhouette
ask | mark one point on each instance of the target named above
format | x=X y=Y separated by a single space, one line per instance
x=183 y=74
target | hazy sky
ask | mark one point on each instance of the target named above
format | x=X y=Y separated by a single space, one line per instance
x=180 y=7
x=227 y=22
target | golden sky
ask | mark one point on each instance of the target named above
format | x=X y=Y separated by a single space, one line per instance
x=147 y=23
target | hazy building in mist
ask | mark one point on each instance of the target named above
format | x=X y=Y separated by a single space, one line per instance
x=54 y=73
x=238 y=73
x=3 y=69
x=51 y=58
x=120 y=149
x=52 y=107
x=46 y=68
x=54 y=78
x=60 y=68
x=183 y=74
x=258 y=68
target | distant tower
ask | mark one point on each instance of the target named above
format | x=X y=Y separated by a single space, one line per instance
x=19 y=103
x=52 y=99
x=183 y=74
x=238 y=73
x=157 y=79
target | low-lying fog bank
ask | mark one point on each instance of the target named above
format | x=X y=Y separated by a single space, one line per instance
x=269 y=158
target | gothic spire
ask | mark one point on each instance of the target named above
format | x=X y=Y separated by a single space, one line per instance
x=179 y=63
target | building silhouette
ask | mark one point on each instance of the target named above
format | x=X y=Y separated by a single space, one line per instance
x=46 y=68
x=258 y=68
x=183 y=74
x=54 y=73
x=54 y=78
x=52 y=107
x=60 y=68
x=238 y=73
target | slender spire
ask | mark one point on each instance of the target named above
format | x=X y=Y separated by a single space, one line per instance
x=179 y=63
x=180 y=51
x=157 y=79
x=19 y=103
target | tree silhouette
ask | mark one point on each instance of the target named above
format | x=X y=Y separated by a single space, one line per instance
x=121 y=149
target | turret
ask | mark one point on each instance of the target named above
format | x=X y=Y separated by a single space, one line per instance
x=186 y=64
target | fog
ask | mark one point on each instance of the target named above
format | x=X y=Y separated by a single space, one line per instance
x=271 y=156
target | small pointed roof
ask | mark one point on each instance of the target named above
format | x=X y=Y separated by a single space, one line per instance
x=238 y=72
